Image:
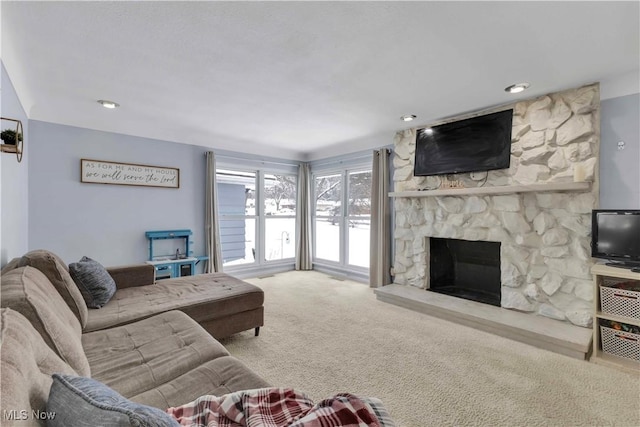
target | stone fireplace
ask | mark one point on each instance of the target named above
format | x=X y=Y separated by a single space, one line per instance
x=465 y=269
x=533 y=211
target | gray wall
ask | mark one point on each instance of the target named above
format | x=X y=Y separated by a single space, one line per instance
x=620 y=169
x=107 y=222
x=14 y=205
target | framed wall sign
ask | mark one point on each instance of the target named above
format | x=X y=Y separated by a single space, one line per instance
x=104 y=172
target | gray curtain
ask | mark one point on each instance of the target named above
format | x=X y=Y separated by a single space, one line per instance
x=214 y=250
x=380 y=251
x=303 y=219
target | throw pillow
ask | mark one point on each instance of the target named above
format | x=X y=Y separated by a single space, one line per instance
x=52 y=266
x=84 y=402
x=94 y=281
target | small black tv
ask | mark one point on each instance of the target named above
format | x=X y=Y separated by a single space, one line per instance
x=615 y=236
x=480 y=143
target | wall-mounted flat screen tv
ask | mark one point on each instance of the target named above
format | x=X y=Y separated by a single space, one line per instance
x=477 y=144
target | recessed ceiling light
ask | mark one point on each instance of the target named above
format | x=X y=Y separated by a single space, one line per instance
x=517 y=88
x=108 y=104
x=407 y=117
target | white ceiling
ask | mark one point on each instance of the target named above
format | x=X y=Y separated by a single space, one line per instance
x=301 y=80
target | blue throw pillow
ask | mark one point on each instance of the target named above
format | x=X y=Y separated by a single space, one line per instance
x=94 y=281
x=84 y=402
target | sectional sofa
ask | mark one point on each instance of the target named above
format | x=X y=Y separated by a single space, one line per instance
x=145 y=346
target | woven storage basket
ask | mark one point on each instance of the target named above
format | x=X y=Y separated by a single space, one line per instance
x=620 y=343
x=620 y=302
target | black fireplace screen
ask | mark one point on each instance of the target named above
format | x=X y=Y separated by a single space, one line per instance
x=466 y=269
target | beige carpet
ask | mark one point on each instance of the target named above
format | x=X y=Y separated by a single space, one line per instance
x=325 y=336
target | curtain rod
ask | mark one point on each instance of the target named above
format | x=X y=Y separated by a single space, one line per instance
x=222 y=156
x=347 y=159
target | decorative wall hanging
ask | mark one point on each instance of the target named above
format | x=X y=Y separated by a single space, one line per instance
x=12 y=140
x=105 y=172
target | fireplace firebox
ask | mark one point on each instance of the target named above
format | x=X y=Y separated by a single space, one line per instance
x=466 y=269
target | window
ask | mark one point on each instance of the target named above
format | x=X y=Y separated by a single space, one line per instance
x=342 y=217
x=328 y=216
x=280 y=216
x=257 y=216
x=237 y=210
x=359 y=218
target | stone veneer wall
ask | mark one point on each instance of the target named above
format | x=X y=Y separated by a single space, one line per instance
x=545 y=236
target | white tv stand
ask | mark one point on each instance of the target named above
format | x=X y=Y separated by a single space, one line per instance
x=602 y=272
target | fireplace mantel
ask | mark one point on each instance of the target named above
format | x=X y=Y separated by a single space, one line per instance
x=504 y=189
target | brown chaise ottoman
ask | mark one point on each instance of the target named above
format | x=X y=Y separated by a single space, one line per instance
x=222 y=304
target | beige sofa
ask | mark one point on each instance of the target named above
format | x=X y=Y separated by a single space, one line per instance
x=164 y=360
x=221 y=304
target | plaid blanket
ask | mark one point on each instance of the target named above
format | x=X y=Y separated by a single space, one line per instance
x=279 y=407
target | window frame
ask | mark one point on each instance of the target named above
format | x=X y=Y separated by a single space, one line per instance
x=348 y=214
x=361 y=163
x=255 y=217
x=264 y=218
x=260 y=170
x=340 y=220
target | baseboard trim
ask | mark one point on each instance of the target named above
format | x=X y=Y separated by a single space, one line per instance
x=247 y=272
x=341 y=273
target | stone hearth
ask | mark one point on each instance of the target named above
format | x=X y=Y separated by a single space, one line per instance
x=544 y=236
x=559 y=337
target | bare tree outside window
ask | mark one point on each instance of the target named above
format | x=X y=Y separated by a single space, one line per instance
x=328 y=195
x=280 y=193
x=359 y=217
x=360 y=193
x=328 y=188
